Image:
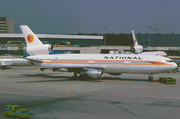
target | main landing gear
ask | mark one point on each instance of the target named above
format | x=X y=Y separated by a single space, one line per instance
x=75 y=75
x=150 y=77
x=78 y=77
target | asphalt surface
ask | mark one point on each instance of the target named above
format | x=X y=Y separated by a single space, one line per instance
x=55 y=95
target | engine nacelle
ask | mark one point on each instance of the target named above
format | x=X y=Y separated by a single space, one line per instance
x=136 y=49
x=115 y=74
x=92 y=73
x=38 y=49
x=133 y=50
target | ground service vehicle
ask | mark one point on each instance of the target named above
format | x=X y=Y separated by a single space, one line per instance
x=16 y=110
x=167 y=80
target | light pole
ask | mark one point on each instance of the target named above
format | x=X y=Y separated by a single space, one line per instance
x=104 y=34
x=149 y=27
x=156 y=35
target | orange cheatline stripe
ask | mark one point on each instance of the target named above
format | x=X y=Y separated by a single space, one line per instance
x=93 y=62
x=105 y=63
x=97 y=60
x=102 y=60
x=90 y=60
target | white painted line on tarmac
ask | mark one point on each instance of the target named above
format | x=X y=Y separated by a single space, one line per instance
x=172 y=97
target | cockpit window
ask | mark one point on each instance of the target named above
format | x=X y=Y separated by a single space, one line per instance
x=168 y=61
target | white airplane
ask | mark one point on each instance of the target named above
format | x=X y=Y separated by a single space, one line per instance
x=92 y=65
x=137 y=49
x=13 y=62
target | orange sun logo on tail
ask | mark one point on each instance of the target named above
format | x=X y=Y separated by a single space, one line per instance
x=30 y=38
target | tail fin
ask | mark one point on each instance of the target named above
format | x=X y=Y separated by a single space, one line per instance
x=30 y=37
x=134 y=38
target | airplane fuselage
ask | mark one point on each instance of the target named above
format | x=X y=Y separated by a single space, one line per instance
x=92 y=65
x=113 y=63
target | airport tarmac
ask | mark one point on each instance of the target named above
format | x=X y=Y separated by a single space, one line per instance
x=54 y=95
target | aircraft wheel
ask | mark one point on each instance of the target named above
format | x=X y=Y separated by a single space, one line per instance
x=149 y=78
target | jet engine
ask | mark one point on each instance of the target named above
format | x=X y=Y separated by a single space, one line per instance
x=136 y=49
x=38 y=49
x=92 y=73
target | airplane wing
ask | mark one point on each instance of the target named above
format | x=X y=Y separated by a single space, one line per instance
x=33 y=60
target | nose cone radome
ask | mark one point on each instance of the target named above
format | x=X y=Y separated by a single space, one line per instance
x=174 y=65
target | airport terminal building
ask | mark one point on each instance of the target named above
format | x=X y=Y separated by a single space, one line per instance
x=6 y=25
x=11 y=43
x=14 y=43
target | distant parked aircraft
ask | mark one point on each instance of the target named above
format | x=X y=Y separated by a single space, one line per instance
x=137 y=49
x=13 y=62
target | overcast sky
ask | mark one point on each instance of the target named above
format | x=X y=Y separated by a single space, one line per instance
x=89 y=16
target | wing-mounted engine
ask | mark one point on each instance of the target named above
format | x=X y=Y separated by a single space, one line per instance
x=92 y=73
x=136 y=49
x=38 y=49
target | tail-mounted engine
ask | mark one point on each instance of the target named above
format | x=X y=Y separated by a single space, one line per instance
x=38 y=49
x=136 y=49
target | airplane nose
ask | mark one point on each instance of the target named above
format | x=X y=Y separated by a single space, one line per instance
x=174 y=65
